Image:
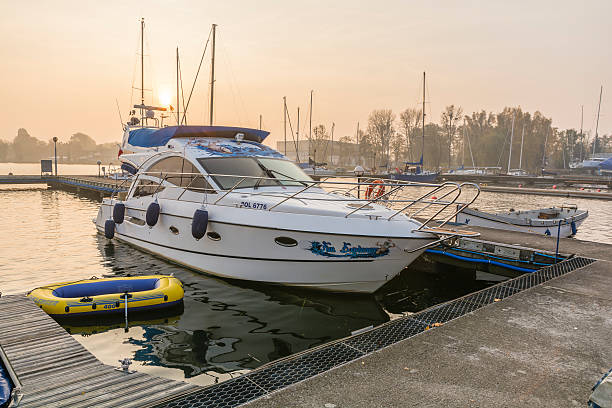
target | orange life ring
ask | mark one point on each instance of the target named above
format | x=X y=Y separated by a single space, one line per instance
x=375 y=190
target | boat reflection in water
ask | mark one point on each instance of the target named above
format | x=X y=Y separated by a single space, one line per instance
x=226 y=326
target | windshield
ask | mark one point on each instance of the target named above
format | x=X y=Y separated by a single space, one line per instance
x=230 y=170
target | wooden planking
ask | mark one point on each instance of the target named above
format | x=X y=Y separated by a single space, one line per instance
x=56 y=370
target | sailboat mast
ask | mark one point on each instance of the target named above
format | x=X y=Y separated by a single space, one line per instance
x=423 y=148
x=581 y=134
x=331 y=155
x=511 y=137
x=285 y=121
x=212 y=74
x=297 y=135
x=521 y=157
x=597 y=125
x=358 y=145
x=178 y=101
x=141 y=66
x=310 y=126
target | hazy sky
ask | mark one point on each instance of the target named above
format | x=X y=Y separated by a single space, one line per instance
x=64 y=63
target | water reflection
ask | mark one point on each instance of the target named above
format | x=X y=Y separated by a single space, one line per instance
x=229 y=326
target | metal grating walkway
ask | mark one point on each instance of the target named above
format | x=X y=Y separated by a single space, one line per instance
x=302 y=366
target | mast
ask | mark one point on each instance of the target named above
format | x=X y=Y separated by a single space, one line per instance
x=358 y=146
x=581 y=134
x=260 y=117
x=511 y=137
x=178 y=101
x=423 y=148
x=285 y=121
x=310 y=126
x=597 y=125
x=544 y=154
x=521 y=157
x=141 y=66
x=297 y=136
x=331 y=155
x=212 y=74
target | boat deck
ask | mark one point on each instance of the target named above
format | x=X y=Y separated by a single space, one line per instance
x=55 y=370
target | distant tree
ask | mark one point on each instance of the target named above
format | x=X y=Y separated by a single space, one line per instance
x=319 y=142
x=450 y=118
x=409 y=124
x=27 y=148
x=381 y=130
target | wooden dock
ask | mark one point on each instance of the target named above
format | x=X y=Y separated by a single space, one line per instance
x=55 y=370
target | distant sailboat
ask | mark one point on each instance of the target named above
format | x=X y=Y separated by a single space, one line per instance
x=413 y=171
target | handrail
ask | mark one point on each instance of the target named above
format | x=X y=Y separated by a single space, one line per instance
x=343 y=191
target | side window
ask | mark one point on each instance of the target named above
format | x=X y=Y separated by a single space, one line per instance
x=179 y=172
x=146 y=188
x=195 y=181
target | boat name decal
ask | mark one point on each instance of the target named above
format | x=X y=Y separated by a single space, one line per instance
x=326 y=248
x=255 y=206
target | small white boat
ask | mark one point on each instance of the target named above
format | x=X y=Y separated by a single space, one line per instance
x=543 y=221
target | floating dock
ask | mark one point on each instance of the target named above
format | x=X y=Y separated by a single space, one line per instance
x=55 y=370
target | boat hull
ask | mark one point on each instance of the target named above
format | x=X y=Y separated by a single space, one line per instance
x=542 y=227
x=332 y=262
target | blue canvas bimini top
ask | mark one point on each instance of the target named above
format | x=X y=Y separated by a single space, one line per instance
x=152 y=137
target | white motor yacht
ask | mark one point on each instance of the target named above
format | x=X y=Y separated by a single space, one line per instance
x=215 y=199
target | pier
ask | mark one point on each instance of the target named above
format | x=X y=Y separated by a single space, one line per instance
x=541 y=338
x=90 y=184
x=55 y=370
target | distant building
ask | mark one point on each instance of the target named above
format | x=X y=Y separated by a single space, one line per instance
x=336 y=154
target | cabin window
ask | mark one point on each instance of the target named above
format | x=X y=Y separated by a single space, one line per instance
x=259 y=172
x=147 y=188
x=182 y=173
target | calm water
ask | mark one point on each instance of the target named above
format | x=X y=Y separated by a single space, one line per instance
x=226 y=327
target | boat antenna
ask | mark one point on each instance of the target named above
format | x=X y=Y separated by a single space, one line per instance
x=423 y=148
x=119 y=110
x=185 y=107
x=597 y=124
x=212 y=73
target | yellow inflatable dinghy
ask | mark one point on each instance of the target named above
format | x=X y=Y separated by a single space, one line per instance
x=107 y=295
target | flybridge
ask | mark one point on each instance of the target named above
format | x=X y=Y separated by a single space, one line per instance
x=155 y=137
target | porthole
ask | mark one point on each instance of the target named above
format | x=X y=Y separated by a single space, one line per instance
x=213 y=235
x=174 y=230
x=285 y=241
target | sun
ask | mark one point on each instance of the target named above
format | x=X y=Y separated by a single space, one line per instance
x=165 y=96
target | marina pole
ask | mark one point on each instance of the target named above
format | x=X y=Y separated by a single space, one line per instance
x=55 y=153
x=212 y=73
